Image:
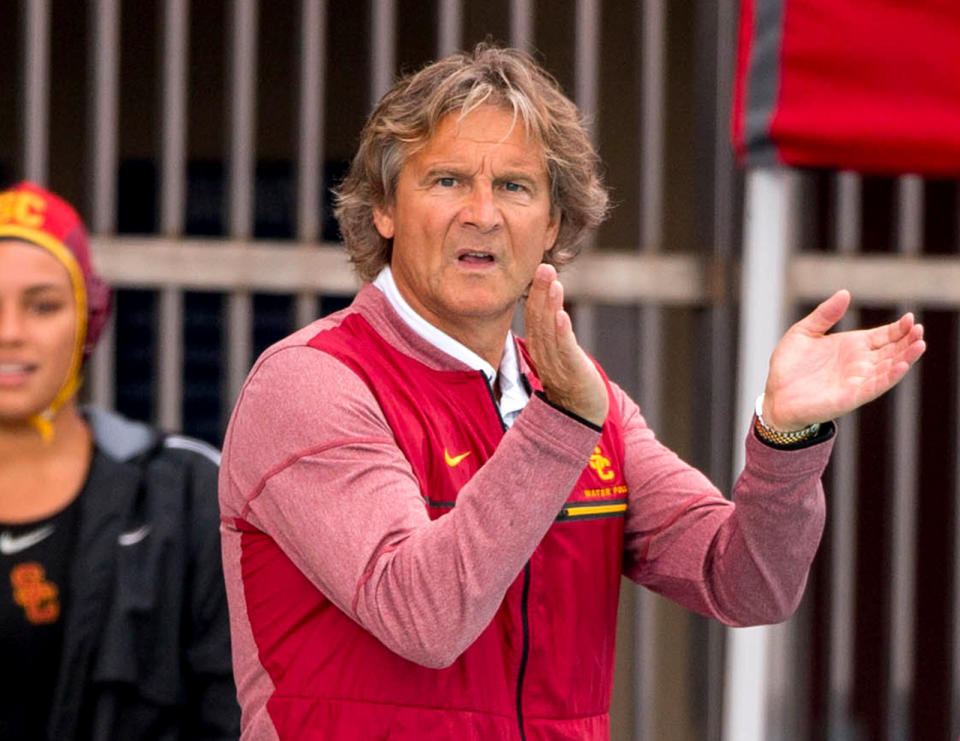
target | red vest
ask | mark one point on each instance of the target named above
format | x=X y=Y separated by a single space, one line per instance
x=542 y=669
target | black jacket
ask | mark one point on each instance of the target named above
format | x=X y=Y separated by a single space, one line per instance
x=146 y=650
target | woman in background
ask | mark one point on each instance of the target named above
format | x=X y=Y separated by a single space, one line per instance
x=113 y=618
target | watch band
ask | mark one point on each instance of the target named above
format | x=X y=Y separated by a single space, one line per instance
x=770 y=435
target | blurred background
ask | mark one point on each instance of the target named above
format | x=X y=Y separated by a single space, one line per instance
x=199 y=141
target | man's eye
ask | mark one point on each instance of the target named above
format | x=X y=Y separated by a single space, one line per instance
x=446 y=182
x=514 y=187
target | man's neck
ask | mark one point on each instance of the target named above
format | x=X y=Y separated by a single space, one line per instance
x=493 y=353
x=476 y=338
x=487 y=342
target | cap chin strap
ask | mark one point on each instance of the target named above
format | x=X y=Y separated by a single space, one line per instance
x=43 y=422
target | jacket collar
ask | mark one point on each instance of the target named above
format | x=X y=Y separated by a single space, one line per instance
x=120 y=438
x=374 y=306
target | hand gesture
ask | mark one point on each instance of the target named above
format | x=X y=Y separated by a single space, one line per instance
x=569 y=377
x=816 y=377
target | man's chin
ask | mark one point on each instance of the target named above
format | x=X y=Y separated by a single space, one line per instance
x=483 y=305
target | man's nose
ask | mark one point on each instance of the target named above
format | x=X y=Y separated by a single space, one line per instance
x=481 y=210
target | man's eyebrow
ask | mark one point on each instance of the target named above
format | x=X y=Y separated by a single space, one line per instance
x=527 y=171
x=444 y=167
x=443 y=170
x=514 y=174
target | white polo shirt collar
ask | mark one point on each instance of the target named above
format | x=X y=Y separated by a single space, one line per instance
x=513 y=393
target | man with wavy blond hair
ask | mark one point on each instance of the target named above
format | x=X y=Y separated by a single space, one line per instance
x=425 y=519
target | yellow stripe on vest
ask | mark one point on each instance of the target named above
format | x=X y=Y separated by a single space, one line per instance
x=595 y=510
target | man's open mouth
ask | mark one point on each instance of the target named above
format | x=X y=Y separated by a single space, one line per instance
x=476 y=258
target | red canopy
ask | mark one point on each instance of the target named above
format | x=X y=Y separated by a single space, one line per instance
x=868 y=85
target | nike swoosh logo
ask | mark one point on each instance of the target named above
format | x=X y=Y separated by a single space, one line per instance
x=454 y=460
x=134 y=536
x=10 y=544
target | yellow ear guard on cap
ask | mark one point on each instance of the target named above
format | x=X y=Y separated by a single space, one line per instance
x=43 y=422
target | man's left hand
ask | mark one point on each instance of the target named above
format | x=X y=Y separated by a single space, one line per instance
x=816 y=377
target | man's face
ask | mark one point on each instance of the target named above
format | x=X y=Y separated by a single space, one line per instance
x=470 y=222
x=38 y=319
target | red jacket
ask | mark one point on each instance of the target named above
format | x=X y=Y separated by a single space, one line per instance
x=543 y=668
x=365 y=605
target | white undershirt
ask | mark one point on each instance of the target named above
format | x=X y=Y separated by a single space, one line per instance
x=513 y=394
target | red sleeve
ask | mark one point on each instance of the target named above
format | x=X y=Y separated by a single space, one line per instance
x=745 y=561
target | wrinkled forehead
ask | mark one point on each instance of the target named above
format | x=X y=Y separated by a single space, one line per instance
x=514 y=119
x=490 y=125
x=461 y=124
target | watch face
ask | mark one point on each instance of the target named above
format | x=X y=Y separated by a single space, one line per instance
x=758 y=407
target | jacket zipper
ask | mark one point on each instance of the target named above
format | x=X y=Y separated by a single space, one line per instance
x=524 y=618
x=526 y=648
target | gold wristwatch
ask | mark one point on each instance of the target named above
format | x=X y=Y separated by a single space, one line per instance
x=770 y=435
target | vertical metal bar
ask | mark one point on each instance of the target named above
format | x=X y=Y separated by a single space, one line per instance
x=306 y=308
x=310 y=150
x=240 y=342
x=724 y=190
x=449 y=26
x=173 y=189
x=653 y=28
x=843 y=554
x=910 y=211
x=384 y=43
x=849 y=223
x=36 y=90
x=768 y=216
x=105 y=20
x=586 y=81
x=587 y=58
x=652 y=35
x=955 y=659
x=955 y=673
x=105 y=60
x=904 y=506
x=173 y=158
x=521 y=24
x=720 y=318
x=102 y=368
x=242 y=157
x=170 y=360
x=843 y=525
x=243 y=74
x=785 y=679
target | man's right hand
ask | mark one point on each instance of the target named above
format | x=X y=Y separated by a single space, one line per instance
x=570 y=379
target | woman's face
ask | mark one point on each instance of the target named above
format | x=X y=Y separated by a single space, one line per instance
x=38 y=317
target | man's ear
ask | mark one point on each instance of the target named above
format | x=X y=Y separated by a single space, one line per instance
x=553 y=229
x=383 y=220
